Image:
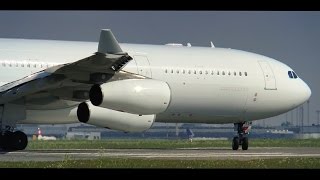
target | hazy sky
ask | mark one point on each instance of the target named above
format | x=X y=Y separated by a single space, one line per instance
x=290 y=37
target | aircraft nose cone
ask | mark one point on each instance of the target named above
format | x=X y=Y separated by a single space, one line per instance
x=307 y=92
x=304 y=92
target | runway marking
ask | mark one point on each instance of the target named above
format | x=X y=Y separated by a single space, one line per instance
x=185 y=154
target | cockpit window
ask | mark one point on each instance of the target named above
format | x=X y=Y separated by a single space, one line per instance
x=290 y=74
x=294 y=75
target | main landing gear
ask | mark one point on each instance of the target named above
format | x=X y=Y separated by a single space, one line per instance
x=13 y=140
x=241 y=139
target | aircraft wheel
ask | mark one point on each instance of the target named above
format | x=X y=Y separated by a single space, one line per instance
x=19 y=140
x=245 y=143
x=235 y=143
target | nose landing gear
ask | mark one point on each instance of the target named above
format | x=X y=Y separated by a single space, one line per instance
x=241 y=139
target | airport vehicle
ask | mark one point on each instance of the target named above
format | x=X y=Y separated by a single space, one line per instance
x=128 y=87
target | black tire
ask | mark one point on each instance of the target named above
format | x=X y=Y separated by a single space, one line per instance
x=245 y=143
x=19 y=140
x=6 y=141
x=235 y=143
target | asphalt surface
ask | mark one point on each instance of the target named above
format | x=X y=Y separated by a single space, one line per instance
x=181 y=154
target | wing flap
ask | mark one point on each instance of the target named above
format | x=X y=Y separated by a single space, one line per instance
x=30 y=87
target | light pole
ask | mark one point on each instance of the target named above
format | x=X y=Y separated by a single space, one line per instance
x=301 y=119
x=308 y=120
x=292 y=117
x=297 y=116
x=318 y=111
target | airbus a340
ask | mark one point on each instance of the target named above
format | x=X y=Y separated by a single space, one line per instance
x=128 y=87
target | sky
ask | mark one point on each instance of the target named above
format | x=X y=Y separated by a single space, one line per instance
x=291 y=37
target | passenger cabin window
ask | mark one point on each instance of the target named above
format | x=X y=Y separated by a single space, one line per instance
x=245 y=73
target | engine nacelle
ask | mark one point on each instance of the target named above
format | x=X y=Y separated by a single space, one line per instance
x=87 y=113
x=137 y=96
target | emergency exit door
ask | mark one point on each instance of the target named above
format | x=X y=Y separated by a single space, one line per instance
x=143 y=66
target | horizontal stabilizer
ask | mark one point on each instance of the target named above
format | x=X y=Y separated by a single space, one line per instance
x=108 y=43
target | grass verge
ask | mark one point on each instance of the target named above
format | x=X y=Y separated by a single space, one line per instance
x=305 y=163
x=165 y=144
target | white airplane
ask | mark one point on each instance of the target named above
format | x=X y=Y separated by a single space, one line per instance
x=128 y=87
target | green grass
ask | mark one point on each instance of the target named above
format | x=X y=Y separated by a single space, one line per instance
x=306 y=163
x=285 y=142
x=166 y=144
x=104 y=162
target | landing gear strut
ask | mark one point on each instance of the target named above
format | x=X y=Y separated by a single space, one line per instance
x=241 y=139
x=13 y=140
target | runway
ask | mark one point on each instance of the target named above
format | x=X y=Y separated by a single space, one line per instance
x=181 y=153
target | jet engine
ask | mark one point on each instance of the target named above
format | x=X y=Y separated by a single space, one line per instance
x=137 y=96
x=111 y=119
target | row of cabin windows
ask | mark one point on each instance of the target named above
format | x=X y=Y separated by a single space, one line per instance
x=234 y=73
x=23 y=64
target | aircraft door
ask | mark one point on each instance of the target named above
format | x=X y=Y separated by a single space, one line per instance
x=143 y=65
x=269 y=78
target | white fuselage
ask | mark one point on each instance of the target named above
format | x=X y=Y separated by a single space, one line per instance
x=208 y=85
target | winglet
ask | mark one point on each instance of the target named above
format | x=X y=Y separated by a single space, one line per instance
x=108 y=44
x=212 y=46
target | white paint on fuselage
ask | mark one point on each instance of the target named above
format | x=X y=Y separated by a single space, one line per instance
x=201 y=96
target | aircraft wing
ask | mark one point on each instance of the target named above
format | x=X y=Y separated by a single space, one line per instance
x=104 y=65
